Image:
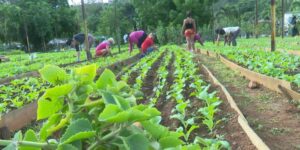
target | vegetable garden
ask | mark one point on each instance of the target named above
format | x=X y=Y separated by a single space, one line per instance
x=244 y=97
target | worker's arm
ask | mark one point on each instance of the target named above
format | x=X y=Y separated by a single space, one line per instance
x=183 y=27
x=194 y=25
x=130 y=45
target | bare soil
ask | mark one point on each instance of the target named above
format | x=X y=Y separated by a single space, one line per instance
x=165 y=106
x=270 y=114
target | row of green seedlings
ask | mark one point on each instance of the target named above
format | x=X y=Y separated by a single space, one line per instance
x=105 y=61
x=143 y=66
x=162 y=74
x=23 y=91
x=186 y=70
x=80 y=113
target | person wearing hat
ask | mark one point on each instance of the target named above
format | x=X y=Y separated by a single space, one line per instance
x=79 y=39
x=103 y=49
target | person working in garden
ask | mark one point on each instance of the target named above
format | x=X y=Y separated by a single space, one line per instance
x=230 y=33
x=294 y=26
x=136 y=37
x=79 y=39
x=148 y=45
x=189 y=31
x=103 y=49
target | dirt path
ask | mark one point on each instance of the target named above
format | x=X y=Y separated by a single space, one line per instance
x=150 y=80
x=165 y=106
x=275 y=120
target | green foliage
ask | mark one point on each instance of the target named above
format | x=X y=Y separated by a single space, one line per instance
x=111 y=124
x=53 y=74
x=40 y=19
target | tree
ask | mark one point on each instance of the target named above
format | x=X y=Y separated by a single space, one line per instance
x=9 y=22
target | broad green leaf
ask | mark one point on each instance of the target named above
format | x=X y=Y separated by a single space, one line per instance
x=86 y=74
x=136 y=142
x=157 y=131
x=192 y=147
x=67 y=147
x=52 y=101
x=113 y=114
x=169 y=142
x=121 y=102
x=78 y=130
x=107 y=78
x=53 y=74
x=108 y=98
x=52 y=121
x=136 y=115
x=152 y=112
x=30 y=135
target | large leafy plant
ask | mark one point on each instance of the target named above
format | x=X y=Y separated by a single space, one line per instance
x=81 y=113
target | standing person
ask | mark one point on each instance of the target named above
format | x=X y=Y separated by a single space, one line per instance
x=189 y=31
x=230 y=33
x=125 y=37
x=136 y=37
x=103 y=49
x=294 y=26
x=79 y=39
x=148 y=45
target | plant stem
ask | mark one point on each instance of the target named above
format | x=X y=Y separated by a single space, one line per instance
x=93 y=146
x=94 y=103
x=27 y=143
x=108 y=136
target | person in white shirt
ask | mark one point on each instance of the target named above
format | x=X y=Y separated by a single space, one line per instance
x=125 y=37
x=231 y=32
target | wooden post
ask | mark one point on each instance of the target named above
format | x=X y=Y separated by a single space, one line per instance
x=213 y=20
x=86 y=43
x=273 y=20
x=256 y=19
x=282 y=21
x=117 y=28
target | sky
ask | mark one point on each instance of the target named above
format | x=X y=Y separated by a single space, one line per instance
x=78 y=2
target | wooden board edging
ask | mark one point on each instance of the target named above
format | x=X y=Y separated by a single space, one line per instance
x=277 y=85
x=293 y=52
x=254 y=138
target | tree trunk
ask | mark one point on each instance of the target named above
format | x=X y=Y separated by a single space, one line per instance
x=117 y=26
x=256 y=19
x=27 y=38
x=213 y=21
x=86 y=43
x=44 y=44
x=282 y=21
x=273 y=18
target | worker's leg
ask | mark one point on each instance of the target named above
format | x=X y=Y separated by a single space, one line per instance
x=78 y=55
x=234 y=36
x=192 y=42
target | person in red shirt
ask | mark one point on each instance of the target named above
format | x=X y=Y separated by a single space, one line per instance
x=148 y=45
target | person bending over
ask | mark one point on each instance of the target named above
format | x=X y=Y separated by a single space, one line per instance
x=228 y=32
x=148 y=45
x=136 y=37
x=103 y=49
x=79 y=39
